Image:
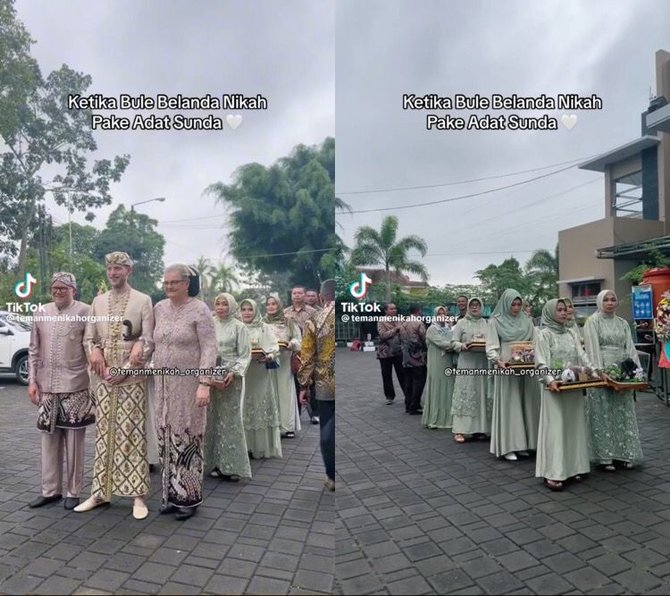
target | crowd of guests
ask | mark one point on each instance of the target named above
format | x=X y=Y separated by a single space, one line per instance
x=520 y=414
x=211 y=390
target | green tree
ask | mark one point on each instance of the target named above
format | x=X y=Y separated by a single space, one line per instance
x=542 y=276
x=206 y=271
x=134 y=233
x=224 y=279
x=39 y=130
x=282 y=216
x=383 y=248
x=496 y=279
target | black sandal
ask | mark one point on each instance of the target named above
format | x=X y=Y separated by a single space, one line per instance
x=553 y=485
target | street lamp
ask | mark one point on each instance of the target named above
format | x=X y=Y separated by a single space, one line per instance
x=132 y=206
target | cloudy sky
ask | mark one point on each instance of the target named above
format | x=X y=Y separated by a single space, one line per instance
x=284 y=51
x=385 y=49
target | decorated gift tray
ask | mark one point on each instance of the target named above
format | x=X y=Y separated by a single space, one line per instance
x=581 y=385
x=257 y=351
x=631 y=386
x=477 y=346
x=283 y=344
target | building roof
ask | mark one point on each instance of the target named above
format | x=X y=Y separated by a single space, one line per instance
x=396 y=278
x=599 y=163
x=635 y=250
x=659 y=120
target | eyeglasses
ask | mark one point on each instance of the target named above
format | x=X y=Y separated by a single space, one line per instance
x=171 y=284
x=59 y=290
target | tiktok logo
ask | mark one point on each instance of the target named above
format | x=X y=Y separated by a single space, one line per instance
x=359 y=289
x=24 y=288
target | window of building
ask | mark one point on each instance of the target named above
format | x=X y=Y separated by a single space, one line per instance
x=585 y=291
x=628 y=195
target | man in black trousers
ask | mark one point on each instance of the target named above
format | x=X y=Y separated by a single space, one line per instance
x=389 y=352
x=414 y=353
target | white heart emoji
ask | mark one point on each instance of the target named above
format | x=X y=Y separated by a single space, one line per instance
x=569 y=121
x=234 y=121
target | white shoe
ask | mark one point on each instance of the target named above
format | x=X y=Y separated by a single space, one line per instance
x=91 y=503
x=511 y=457
x=140 y=510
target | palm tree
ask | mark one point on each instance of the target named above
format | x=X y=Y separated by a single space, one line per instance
x=224 y=279
x=383 y=248
x=206 y=271
x=542 y=270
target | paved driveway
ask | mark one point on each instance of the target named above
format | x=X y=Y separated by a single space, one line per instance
x=272 y=535
x=419 y=514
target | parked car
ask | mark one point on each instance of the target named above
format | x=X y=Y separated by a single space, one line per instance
x=14 y=340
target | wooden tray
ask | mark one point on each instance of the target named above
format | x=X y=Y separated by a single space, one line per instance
x=257 y=352
x=477 y=346
x=617 y=386
x=521 y=364
x=283 y=344
x=580 y=385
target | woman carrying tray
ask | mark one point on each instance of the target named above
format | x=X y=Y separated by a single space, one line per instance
x=516 y=399
x=440 y=387
x=611 y=415
x=288 y=336
x=562 y=443
x=471 y=406
x=261 y=405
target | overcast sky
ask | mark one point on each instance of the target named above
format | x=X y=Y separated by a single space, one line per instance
x=385 y=49
x=284 y=51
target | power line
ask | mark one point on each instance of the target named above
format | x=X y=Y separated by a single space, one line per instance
x=461 y=197
x=442 y=184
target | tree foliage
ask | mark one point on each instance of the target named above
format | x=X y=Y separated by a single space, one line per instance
x=40 y=134
x=383 y=248
x=282 y=216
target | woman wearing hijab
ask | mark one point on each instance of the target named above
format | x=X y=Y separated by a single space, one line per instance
x=226 y=453
x=562 y=442
x=261 y=410
x=611 y=414
x=471 y=407
x=288 y=335
x=440 y=387
x=516 y=399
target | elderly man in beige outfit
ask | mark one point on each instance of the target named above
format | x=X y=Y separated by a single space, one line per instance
x=59 y=386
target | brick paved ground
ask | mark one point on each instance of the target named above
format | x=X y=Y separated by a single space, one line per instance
x=272 y=535
x=419 y=514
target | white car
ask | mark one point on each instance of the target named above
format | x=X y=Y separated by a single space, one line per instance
x=14 y=340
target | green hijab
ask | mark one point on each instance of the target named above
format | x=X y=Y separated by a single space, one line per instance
x=278 y=317
x=471 y=317
x=512 y=327
x=256 y=321
x=549 y=316
x=233 y=307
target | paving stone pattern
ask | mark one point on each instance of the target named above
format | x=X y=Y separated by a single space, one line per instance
x=420 y=514
x=271 y=535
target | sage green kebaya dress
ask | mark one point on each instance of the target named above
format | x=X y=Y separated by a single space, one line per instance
x=439 y=386
x=613 y=430
x=516 y=399
x=471 y=405
x=286 y=331
x=562 y=442
x=225 y=439
x=261 y=409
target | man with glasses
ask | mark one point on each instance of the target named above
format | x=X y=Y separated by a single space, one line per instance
x=59 y=387
x=120 y=338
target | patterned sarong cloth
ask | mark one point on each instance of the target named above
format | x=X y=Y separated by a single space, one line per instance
x=121 y=466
